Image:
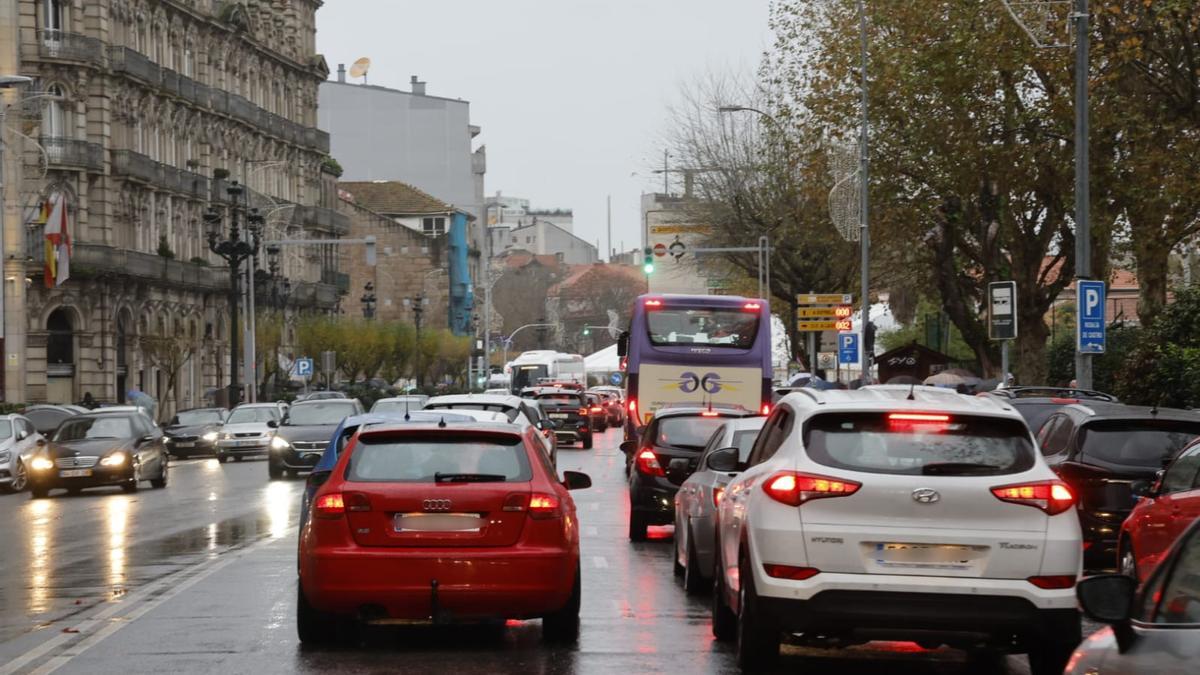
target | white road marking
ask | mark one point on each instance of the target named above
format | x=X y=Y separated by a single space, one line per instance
x=590 y=531
x=600 y=562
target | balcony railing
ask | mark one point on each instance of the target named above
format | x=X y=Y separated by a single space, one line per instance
x=59 y=45
x=134 y=64
x=136 y=165
x=69 y=152
x=170 y=81
x=320 y=218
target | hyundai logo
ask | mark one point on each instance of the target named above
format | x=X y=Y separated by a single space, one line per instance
x=926 y=496
x=436 y=505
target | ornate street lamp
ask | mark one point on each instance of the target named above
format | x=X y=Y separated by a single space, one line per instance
x=281 y=289
x=368 y=301
x=234 y=250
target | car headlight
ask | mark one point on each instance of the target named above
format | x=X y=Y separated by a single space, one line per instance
x=278 y=443
x=41 y=464
x=5 y=456
x=226 y=436
x=118 y=458
x=209 y=437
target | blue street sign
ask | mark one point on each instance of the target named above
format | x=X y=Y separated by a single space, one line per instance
x=848 y=348
x=1090 y=304
x=304 y=367
x=617 y=379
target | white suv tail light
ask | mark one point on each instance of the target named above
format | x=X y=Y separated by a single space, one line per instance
x=794 y=488
x=1050 y=496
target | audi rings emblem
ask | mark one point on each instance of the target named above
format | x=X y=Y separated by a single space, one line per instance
x=926 y=496
x=436 y=504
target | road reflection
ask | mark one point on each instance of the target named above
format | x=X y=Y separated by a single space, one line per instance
x=278 y=501
x=42 y=514
x=116 y=523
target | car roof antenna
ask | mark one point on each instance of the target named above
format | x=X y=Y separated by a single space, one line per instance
x=442 y=423
x=407 y=417
x=912 y=388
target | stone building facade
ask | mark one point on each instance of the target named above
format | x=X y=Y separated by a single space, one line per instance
x=141 y=113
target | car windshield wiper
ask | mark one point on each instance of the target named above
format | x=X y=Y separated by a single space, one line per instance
x=440 y=477
x=957 y=468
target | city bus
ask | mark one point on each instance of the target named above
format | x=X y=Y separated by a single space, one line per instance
x=544 y=365
x=695 y=349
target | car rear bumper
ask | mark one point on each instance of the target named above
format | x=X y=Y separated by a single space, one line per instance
x=398 y=584
x=656 y=502
x=873 y=614
x=1100 y=539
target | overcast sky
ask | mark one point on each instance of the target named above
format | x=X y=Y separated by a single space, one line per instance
x=572 y=95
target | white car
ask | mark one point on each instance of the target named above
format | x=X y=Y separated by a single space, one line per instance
x=516 y=409
x=896 y=514
x=248 y=431
x=18 y=440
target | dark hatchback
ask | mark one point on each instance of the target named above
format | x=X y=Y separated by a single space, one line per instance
x=1100 y=449
x=569 y=411
x=305 y=432
x=100 y=449
x=1037 y=404
x=194 y=432
x=667 y=454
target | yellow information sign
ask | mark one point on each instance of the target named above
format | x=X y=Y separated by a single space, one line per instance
x=824 y=299
x=816 y=325
x=817 y=313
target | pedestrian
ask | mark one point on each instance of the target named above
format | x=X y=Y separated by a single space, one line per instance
x=88 y=402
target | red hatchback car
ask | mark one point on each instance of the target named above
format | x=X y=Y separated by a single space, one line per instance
x=1165 y=509
x=436 y=523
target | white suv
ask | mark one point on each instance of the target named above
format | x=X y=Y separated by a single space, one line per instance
x=897 y=513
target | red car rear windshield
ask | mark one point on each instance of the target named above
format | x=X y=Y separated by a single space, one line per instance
x=421 y=459
x=875 y=443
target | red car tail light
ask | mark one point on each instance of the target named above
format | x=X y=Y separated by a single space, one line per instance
x=518 y=501
x=766 y=409
x=583 y=412
x=793 y=488
x=542 y=505
x=752 y=306
x=356 y=501
x=1050 y=496
x=647 y=463
x=718 y=495
x=633 y=407
x=330 y=506
x=790 y=572
x=1059 y=582
x=596 y=408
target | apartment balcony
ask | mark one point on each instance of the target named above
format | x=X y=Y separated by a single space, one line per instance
x=170 y=81
x=320 y=218
x=134 y=64
x=57 y=45
x=339 y=280
x=316 y=295
x=317 y=140
x=220 y=100
x=243 y=109
x=70 y=153
x=137 y=166
x=87 y=259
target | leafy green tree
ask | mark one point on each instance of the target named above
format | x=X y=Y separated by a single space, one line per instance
x=1163 y=367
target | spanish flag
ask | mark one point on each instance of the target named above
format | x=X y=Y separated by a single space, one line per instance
x=57 y=268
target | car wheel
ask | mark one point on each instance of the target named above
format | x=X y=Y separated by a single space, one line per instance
x=1050 y=656
x=724 y=621
x=274 y=472
x=757 y=636
x=237 y=458
x=131 y=485
x=292 y=474
x=676 y=566
x=222 y=458
x=693 y=576
x=39 y=492
x=637 y=526
x=1127 y=561
x=563 y=626
x=587 y=442
x=313 y=627
x=20 y=477
x=161 y=481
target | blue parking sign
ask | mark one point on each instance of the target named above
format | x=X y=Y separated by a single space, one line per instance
x=304 y=367
x=1090 y=328
x=847 y=348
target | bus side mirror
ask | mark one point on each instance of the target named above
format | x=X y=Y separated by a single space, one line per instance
x=623 y=343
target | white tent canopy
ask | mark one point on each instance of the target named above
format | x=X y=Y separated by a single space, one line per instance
x=603 y=361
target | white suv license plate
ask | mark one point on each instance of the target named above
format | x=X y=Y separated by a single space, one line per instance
x=185 y=445
x=927 y=556
x=559 y=416
x=74 y=473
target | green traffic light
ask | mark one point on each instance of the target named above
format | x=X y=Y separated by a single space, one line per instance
x=587 y=331
x=648 y=268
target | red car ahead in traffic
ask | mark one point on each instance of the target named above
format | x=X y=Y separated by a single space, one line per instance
x=1165 y=509
x=435 y=523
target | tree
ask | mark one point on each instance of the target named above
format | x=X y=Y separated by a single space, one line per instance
x=268 y=338
x=316 y=334
x=519 y=296
x=587 y=300
x=402 y=341
x=168 y=353
x=1163 y=367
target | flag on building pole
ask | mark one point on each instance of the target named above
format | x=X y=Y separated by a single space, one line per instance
x=58 y=243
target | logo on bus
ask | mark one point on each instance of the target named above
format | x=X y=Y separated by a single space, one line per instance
x=689 y=382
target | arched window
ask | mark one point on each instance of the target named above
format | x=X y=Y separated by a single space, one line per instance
x=60 y=341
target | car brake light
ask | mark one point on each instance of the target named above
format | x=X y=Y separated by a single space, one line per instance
x=718 y=495
x=752 y=306
x=583 y=411
x=794 y=489
x=633 y=407
x=1064 y=401
x=1052 y=497
x=543 y=505
x=790 y=572
x=1058 y=582
x=766 y=409
x=647 y=463
x=918 y=421
x=596 y=408
x=356 y=501
x=710 y=413
x=518 y=501
x=652 y=302
x=330 y=506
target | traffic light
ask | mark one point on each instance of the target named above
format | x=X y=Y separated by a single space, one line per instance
x=648 y=260
x=587 y=330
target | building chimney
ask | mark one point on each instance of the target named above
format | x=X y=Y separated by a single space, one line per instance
x=342 y=73
x=418 y=87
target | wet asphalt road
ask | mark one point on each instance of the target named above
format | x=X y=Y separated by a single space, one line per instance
x=200 y=578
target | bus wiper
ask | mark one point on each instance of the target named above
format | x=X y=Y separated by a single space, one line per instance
x=469 y=478
x=957 y=468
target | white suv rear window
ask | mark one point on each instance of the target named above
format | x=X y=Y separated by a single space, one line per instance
x=919 y=444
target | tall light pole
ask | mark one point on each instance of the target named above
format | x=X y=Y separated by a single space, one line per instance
x=864 y=166
x=234 y=250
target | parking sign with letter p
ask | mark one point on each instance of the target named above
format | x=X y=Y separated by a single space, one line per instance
x=1090 y=330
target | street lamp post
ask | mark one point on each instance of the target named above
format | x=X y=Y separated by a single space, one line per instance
x=234 y=250
x=418 y=308
x=368 y=301
x=281 y=289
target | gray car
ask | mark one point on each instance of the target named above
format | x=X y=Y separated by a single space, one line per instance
x=18 y=441
x=1155 y=629
x=697 y=499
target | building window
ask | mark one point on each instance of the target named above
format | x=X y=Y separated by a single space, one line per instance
x=54 y=15
x=54 y=117
x=433 y=226
x=60 y=341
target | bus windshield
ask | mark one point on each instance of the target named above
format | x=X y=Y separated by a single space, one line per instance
x=525 y=376
x=710 y=327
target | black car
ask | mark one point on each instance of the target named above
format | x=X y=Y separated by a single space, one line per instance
x=596 y=411
x=569 y=410
x=1100 y=449
x=304 y=433
x=47 y=416
x=194 y=432
x=1037 y=404
x=667 y=454
x=99 y=449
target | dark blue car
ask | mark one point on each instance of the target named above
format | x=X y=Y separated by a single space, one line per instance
x=347 y=429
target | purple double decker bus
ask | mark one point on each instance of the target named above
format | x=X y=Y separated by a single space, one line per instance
x=696 y=349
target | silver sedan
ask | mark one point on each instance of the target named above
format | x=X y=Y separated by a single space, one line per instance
x=697 y=499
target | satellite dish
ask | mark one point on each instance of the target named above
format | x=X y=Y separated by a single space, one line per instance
x=360 y=68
